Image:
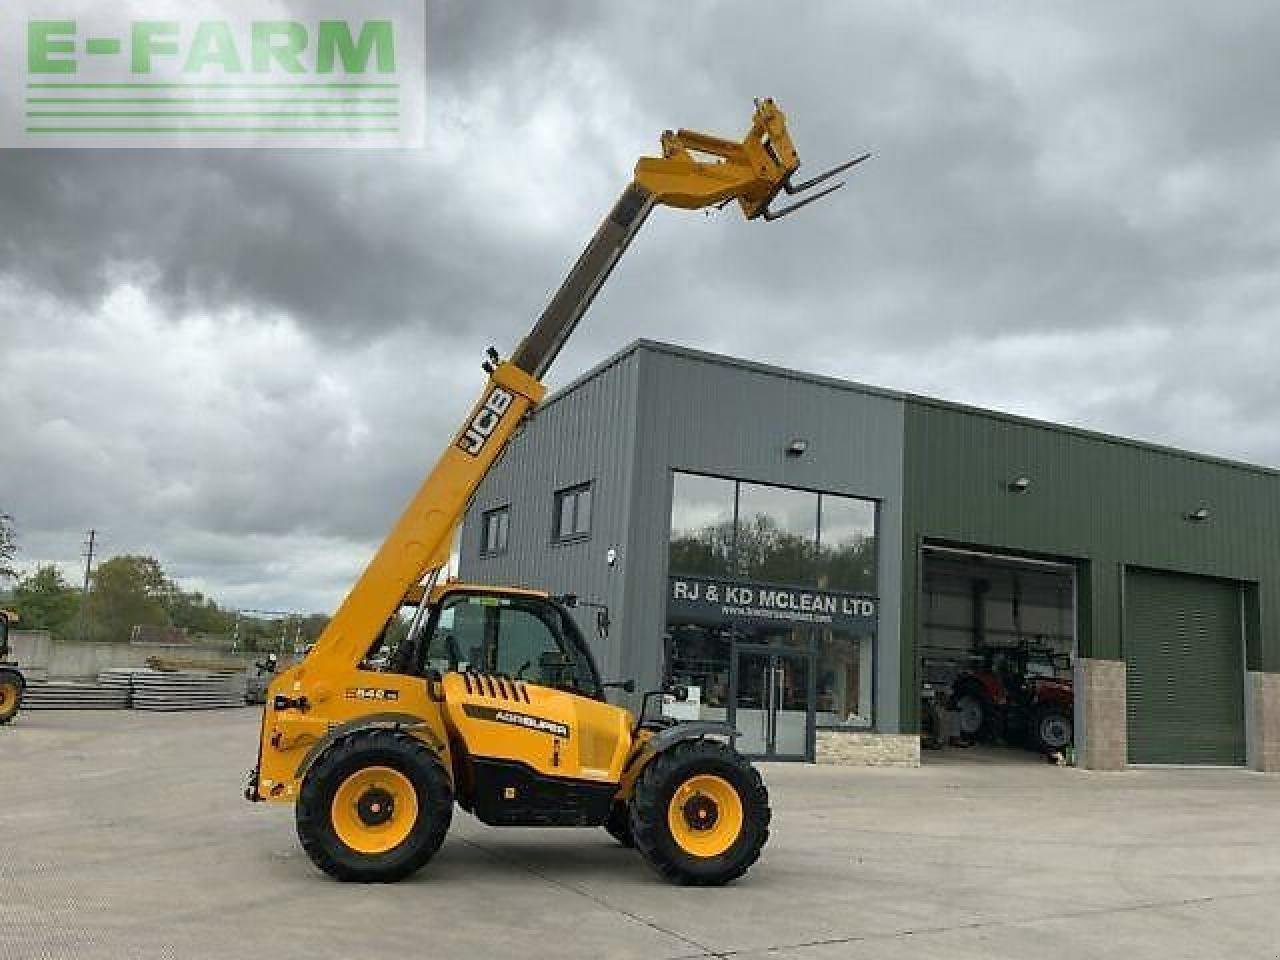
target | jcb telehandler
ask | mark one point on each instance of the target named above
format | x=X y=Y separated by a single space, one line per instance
x=494 y=701
x=12 y=682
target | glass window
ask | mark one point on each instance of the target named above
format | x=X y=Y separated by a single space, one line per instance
x=698 y=658
x=499 y=635
x=573 y=513
x=527 y=649
x=495 y=530
x=458 y=640
x=844 y=680
x=777 y=537
x=846 y=557
x=702 y=510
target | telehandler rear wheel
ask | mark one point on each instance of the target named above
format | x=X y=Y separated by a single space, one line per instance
x=374 y=806
x=10 y=695
x=700 y=814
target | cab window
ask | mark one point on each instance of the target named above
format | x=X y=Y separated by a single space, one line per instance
x=506 y=636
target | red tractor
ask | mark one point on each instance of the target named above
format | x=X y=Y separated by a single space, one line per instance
x=1021 y=693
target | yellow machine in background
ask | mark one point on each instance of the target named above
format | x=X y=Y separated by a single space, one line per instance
x=494 y=700
x=12 y=682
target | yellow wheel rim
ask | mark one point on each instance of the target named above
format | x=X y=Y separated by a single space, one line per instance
x=8 y=699
x=374 y=810
x=705 y=815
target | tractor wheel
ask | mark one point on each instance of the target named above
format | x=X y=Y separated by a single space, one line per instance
x=11 y=688
x=976 y=719
x=619 y=824
x=1053 y=729
x=700 y=814
x=374 y=807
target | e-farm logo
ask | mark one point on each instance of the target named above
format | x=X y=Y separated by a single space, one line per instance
x=313 y=73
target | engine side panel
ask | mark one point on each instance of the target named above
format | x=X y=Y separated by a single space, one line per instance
x=552 y=732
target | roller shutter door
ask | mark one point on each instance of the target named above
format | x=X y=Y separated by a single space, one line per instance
x=1184 y=653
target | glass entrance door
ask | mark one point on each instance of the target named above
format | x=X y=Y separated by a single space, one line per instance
x=771 y=703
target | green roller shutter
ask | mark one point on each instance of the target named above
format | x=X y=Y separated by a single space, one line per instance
x=1183 y=648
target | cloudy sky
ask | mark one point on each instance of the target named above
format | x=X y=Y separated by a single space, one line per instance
x=242 y=362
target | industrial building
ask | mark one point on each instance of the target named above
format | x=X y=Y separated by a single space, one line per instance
x=820 y=561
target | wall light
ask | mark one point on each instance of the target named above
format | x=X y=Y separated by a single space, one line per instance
x=1198 y=515
x=1020 y=484
x=797 y=447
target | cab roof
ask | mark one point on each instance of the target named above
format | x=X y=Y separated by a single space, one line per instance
x=414 y=595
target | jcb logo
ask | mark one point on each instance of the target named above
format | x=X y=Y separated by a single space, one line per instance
x=486 y=420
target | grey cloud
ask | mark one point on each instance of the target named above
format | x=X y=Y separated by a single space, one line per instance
x=1067 y=215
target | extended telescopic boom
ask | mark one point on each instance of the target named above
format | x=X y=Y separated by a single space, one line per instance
x=695 y=171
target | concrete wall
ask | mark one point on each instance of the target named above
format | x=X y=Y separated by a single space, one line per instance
x=42 y=658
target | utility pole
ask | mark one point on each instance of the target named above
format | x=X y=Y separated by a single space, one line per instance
x=84 y=595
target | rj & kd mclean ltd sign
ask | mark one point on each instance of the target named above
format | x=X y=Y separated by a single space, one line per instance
x=204 y=73
x=712 y=600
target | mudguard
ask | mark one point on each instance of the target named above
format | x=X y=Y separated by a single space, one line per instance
x=693 y=730
x=664 y=740
x=402 y=721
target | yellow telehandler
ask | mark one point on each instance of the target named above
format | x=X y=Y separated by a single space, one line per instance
x=493 y=700
x=12 y=682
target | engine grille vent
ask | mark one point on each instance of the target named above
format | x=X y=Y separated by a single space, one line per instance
x=496 y=687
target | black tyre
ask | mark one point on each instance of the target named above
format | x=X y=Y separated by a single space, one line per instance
x=11 y=690
x=700 y=813
x=977 y=718
x=1052 y=729
x=374 y=807
x=619 y=824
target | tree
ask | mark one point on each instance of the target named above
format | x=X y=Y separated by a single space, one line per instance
x=45 y=601
x=8 y=547
x=759 y=550
x=197 y=613
x=128 y=591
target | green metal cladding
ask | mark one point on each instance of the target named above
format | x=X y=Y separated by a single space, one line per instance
x=1101 y=502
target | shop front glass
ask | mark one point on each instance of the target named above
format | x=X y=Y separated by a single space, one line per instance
x=771 y=609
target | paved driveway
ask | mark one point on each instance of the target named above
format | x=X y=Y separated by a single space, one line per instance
x=124 y=835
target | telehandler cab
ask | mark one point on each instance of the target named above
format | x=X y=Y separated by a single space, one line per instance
x=493 y=700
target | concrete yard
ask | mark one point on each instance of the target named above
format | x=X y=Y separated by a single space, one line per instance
x=124 y=835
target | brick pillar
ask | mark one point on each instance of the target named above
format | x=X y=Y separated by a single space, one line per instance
x=1102 y=724
x=1264 y=722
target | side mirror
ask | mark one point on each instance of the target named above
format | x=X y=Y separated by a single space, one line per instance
x=629 y=686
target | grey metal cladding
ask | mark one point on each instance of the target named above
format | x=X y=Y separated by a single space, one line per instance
x=653 y=408
x=584 y=433
x=709 y=414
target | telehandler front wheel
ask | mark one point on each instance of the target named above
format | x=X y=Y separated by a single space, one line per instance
x=11 y=688
x=619 y=824
x=700 y=814
x=374 y=807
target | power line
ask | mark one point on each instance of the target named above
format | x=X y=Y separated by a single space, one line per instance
x=84 y=595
